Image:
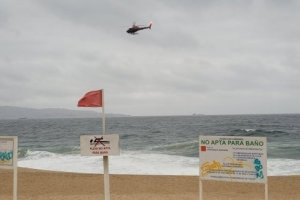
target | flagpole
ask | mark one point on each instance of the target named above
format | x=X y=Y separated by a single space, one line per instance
x=103 y=113
x=105 y=158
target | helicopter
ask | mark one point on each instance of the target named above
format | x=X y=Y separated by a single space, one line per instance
x=133 y=30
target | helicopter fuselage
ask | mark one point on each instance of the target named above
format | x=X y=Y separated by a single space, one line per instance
x=135 y=28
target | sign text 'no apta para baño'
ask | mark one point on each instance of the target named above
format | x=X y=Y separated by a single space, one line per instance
x=228 y=158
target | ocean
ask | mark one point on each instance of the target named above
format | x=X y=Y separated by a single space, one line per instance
x=164 y=145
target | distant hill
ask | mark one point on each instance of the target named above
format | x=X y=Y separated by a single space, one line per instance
x=12 y=112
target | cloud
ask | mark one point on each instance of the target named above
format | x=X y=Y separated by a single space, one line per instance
x=200 y=57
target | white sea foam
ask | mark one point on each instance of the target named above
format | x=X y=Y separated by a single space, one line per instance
x=283 y=167
x=250 y=130
x=127 y=163
x=137 y=163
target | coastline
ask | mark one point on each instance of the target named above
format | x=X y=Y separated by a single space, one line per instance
x=45 y=185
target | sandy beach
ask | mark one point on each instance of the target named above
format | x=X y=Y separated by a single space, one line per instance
x=48 y=185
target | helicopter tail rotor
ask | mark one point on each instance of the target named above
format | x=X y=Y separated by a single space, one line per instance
x=150 y=25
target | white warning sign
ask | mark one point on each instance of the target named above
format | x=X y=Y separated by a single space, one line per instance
x=99 y=145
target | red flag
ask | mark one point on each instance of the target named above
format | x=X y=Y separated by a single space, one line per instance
x=91 y=99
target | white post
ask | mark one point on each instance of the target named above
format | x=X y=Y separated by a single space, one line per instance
x=200 y=190
x=106 y=178
x=266 y=183
x=15 y=161
x=105 y=158
x=266 y=191
x=200 y=181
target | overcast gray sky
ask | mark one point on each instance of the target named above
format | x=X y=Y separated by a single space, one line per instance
x=207 y=57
